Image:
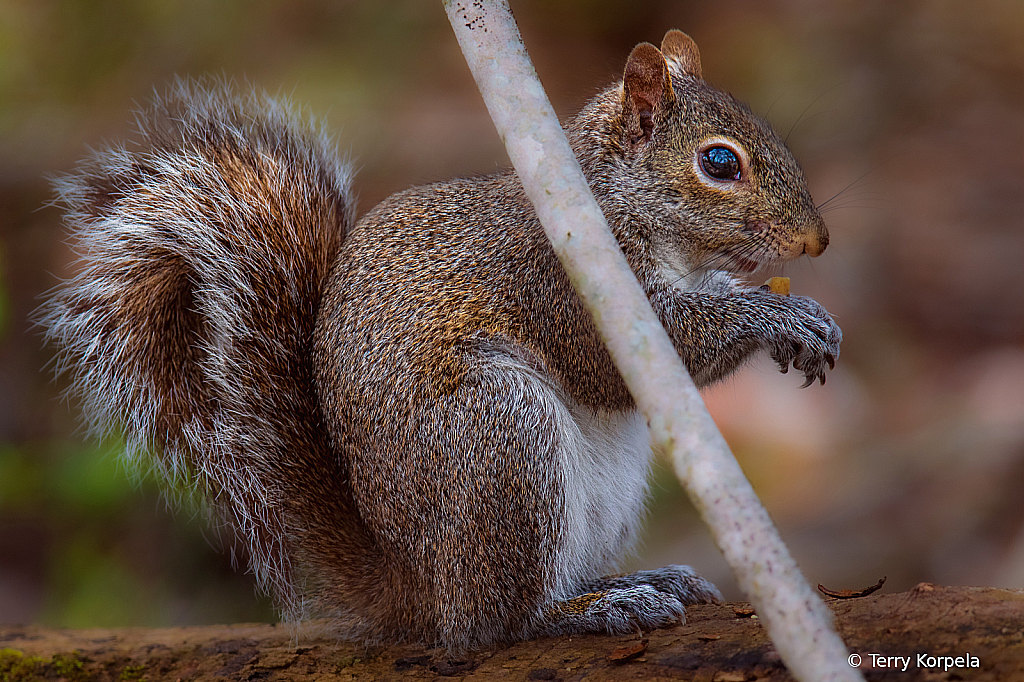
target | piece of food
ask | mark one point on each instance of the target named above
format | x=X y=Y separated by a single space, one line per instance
x=779 y=285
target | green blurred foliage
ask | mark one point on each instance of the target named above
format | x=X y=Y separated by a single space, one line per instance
x=107 y=559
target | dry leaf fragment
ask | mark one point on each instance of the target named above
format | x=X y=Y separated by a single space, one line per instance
x=627 y=653
x=851 y=594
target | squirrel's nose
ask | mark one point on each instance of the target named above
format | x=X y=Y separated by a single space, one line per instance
x=815 y=238
x=815 y=244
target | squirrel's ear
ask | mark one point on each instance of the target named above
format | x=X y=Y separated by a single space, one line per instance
x=646 y=89
x=680 y=48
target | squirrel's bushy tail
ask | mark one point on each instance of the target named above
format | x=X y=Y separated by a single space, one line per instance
x=189 y=324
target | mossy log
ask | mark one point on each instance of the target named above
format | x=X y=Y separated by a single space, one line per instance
x=943 y=633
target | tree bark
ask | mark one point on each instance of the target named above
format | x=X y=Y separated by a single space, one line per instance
x=719 y=643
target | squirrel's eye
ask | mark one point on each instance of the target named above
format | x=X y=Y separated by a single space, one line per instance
x=720 y=163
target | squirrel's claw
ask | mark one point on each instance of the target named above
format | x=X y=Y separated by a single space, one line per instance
x=801 y=334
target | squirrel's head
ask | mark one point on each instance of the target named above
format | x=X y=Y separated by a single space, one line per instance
x=726 y=191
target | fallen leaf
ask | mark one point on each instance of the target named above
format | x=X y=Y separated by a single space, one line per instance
x=851 y=594
x=627 y=653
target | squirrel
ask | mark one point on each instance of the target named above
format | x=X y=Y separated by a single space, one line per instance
x=409 y=419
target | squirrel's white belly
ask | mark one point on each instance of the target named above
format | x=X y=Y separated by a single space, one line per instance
x=605 y=462
x=603 y=465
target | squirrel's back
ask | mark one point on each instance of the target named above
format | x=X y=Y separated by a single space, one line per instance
x=429 y=276
x=205 y=248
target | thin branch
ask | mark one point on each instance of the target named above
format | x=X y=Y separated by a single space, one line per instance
x=797 y=620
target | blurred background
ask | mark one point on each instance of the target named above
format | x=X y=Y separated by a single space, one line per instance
x=909 y=463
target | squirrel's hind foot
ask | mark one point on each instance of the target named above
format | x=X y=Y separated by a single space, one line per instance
x=622 y=604
x=682 y=582
x=618 y=611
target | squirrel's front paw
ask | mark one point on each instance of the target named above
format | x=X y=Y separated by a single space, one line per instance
x=800 y=332
x=618 y=611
